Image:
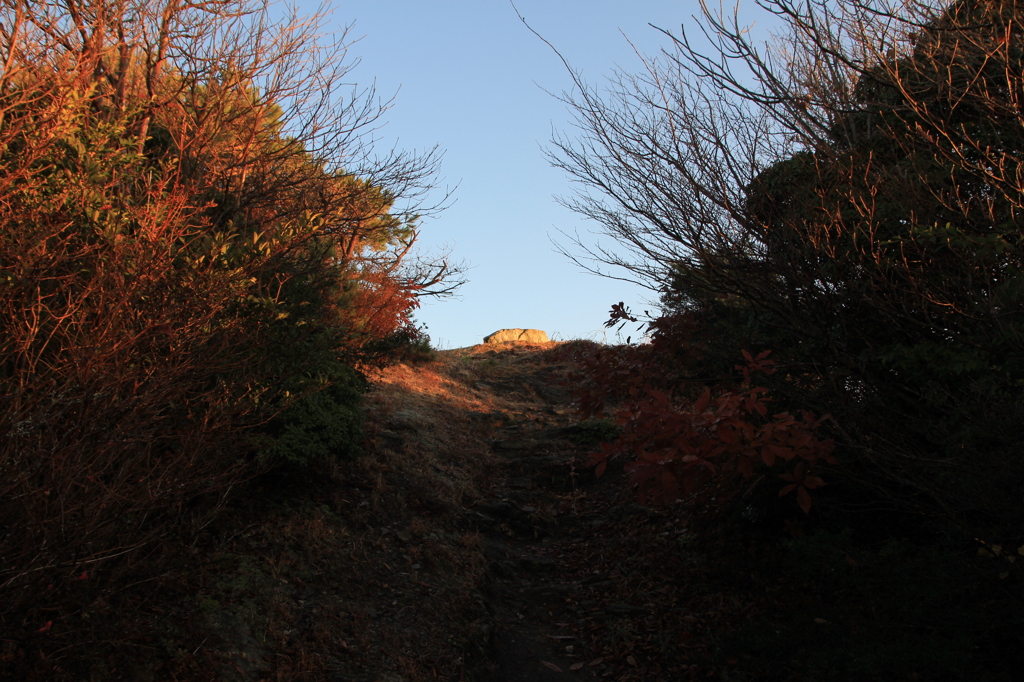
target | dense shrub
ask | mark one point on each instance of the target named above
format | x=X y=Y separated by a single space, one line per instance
x=188 y=229
x=849 y=198
x=707 y=444
x=323 y=423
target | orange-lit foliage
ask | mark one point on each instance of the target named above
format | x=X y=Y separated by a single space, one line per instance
x=126 y=368
x=381 y=305
x=692 y=441
x=168 y=258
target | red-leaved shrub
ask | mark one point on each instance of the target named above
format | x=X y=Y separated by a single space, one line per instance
x=683 y=439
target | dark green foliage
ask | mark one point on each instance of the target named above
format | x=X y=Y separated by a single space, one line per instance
x=921 y=318
x=323 y=423
x=884 y=265
x=854 y=202
x=408 y=344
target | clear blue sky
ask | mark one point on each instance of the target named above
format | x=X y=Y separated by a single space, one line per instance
x=471 y=78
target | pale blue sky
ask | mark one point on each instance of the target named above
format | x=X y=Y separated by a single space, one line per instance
x=471 y=78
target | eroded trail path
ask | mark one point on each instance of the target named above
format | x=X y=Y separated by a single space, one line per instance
x=579 y=582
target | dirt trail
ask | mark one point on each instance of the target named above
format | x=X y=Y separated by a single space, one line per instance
x=567 y=583
x=469 y=542
x=527 y=514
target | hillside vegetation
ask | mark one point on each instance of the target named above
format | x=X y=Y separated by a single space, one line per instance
x=471 y=539
x=199 y=256
x=227 y=452
x=838 y=213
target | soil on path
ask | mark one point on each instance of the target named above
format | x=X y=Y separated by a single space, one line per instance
x=568 y=579
x=470 y=541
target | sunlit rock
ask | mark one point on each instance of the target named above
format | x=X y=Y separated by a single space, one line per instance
x=517 y=335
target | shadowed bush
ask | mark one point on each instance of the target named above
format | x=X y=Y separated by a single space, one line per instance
x=323 y=423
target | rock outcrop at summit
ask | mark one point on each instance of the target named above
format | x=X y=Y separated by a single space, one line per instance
x=517 y=335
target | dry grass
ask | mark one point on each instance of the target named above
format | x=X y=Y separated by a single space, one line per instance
x=369 y=572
